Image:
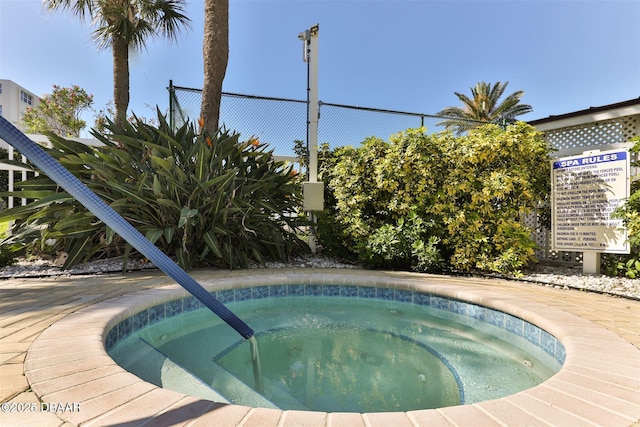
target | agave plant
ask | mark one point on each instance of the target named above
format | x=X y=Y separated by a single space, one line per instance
x=203 y=199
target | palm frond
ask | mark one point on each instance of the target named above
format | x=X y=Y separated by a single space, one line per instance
x=483 y=107
x=79 y=8
x=169 y=15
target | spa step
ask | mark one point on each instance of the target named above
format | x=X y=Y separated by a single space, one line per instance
x=245 y=395
x=155 y=367
x=175 y=377
x=152 y=365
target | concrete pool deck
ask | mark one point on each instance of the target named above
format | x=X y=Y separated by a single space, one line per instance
x=51 y=329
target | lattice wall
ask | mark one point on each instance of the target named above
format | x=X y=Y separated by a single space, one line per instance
x=597 y=133
x=604 y=132
x=543 y=240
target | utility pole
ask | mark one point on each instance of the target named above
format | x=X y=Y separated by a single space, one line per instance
x=313 y=190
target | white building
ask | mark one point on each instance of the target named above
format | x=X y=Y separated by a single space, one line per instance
x=14 y=100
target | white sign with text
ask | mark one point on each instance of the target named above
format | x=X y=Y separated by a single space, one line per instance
x=585 y=190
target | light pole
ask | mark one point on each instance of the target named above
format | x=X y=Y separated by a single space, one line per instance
x=313 y=191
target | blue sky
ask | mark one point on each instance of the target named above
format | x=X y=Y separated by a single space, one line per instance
x=391 y=54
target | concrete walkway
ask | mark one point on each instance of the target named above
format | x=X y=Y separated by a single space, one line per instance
x=28 y=307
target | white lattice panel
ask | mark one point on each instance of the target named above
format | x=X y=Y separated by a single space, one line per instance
x=597 y=133
x=542 y=237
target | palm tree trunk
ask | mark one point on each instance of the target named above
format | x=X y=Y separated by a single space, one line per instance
x=120 y=79
x=216 y=56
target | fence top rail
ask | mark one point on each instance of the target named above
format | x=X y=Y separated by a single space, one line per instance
x=183 y=88
x=379 y=110
x=240 y=95
x=330 y=104
x=265 y=98
x=405 y=113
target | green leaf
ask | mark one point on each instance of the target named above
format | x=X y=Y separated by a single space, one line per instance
x=80 y=220
x=121 y=155
x=158 y=149
x=120 y=204
x=222 y=180
x=219 y=230
x=183 y=258
x=18 y=211
x=169 y=233
x=157 y=188
x=185 y=215
x=135 y=197
x=110 y=234
x=212 y=242
x=77 y=251
x=256 y=254
x=201 y=165
x=167 y=203
x=70 y=146
x=125 y=257
x=18 y=164
x=154 y=235
x=29 y=194
x=167 y=164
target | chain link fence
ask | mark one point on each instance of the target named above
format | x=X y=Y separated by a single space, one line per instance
x=347 y=125
x=281 y=121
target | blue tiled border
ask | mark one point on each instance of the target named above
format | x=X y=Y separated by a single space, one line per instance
x=515 y=325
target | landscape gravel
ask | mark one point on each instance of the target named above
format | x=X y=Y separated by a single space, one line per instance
x=557 y=276
x=572 y=277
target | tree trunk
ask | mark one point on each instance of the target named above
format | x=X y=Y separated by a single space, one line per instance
x=216 y=56
x=120 y=80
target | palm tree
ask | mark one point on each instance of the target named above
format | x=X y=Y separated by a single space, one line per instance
x=121 y=24
x=215 y=52
x=483 y=108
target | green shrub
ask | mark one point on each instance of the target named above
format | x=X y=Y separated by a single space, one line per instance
x=421 y=198
x=7 y=256
x=204 y=200
x=406 y=245
x=371 y=192
x=495 y=177
x=628 y=265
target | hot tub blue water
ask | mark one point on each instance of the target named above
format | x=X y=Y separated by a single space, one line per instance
x=346 y=352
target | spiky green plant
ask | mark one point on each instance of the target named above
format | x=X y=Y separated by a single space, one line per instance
x=205 y=200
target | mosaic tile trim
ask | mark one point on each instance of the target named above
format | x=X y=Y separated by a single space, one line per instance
x=539 y=337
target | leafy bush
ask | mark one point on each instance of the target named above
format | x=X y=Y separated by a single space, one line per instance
x=628 y=265
x=373 y=189
x=205 y=200
x=405 y=245
x=494 y=178
x=422 y=198
x=7 y=256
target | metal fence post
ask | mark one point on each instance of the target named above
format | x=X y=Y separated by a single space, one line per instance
x=172 y=95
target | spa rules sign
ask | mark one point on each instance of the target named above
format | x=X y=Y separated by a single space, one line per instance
x=585 y=191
